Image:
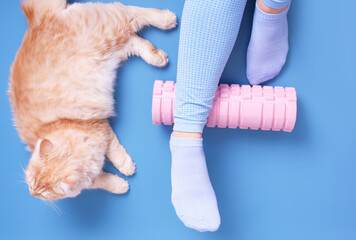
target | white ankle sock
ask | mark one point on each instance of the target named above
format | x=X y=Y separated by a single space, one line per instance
x=268 y=48
x=193 y=196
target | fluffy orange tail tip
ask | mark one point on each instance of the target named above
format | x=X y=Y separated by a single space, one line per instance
x=34 y=10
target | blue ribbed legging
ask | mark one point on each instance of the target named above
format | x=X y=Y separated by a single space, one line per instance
x=277 y=4
x=208 y=33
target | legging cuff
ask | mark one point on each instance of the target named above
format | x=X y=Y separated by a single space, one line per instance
x=276 y=4
x=188 y=126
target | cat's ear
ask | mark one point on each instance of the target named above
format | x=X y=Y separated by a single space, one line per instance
x=45 y=147
x=70 y=180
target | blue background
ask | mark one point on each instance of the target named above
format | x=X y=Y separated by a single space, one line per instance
x=269 y=185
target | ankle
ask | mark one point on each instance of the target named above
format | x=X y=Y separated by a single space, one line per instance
x=186 y=134
x=264 y=8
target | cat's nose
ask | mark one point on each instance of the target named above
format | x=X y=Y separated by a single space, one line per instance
x=33 y=193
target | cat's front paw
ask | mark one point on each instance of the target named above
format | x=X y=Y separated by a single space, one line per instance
x=119 y=186
x=129 y=167
x=160 y=58
x=169 y=20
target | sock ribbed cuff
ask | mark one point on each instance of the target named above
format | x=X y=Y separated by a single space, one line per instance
x=188 y=126
x=276 y=4
x=191 y=142
x=269 y=16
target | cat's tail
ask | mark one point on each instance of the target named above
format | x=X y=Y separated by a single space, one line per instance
x=35 y=10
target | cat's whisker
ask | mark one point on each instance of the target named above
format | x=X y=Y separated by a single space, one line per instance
x=50 y=205
x=23 y=174
x=22 y=177
x=53 y=206
x=46 y=203
x=22 y=181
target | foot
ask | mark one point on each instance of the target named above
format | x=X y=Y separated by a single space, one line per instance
x=128 y=167
x=268 y=48
x=145 y=49
x=169 y=20
x=118 y=185
x=111 y=183
x=159 y=58
x=193 y=196
x=118 y=155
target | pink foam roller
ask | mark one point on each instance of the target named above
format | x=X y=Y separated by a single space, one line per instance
x=255 y=107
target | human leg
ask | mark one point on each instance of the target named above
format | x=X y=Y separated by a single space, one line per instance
x=208 y=32
x=268 y=48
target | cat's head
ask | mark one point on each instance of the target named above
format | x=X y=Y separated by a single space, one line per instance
x=60 y=167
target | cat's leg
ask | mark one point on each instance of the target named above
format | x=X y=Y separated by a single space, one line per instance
x=110 y=182
x=145 y=49
x=117 y=154
x=142 y=17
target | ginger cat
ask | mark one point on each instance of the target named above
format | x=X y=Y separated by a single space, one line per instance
x=61 y=91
